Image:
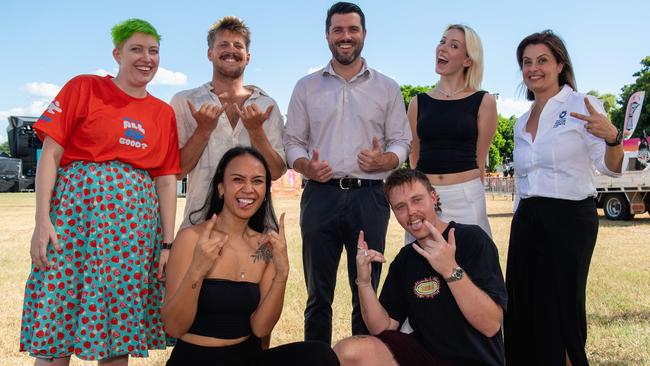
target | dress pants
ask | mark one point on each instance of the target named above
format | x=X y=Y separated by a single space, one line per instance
x=330 y=220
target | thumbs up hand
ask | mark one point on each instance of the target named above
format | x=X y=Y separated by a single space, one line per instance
x=375 y=159
x=318 y=170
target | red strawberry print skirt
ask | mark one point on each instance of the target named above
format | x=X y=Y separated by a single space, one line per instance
x=100 y=297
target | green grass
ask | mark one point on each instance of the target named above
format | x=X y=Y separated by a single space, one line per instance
x=618 y=302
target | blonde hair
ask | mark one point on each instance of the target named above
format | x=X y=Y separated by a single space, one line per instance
x=473 y=73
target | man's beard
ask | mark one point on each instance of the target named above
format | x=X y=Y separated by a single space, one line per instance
x=231 y=73
x=346 y=60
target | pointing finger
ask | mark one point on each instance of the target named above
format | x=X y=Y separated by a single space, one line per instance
x=209 y=226
x=434 y=232
x=581 y=116
x=361 y=242
x=590 y=107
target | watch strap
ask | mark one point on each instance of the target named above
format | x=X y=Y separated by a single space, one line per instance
x=619 y=139
x=456 y=275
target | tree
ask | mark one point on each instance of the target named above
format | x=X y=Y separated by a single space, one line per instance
x=502 y=143
x=4 y=147
x=608 y=99
x=409 y=91
x=642 y=83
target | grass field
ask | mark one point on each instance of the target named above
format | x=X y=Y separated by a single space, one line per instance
x=618 y=304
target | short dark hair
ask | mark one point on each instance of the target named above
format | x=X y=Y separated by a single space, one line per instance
x=404 y=176
x=264 y=218
x=344 y=8
x=559 y=51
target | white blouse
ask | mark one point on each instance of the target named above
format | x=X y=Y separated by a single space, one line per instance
x=561 y=161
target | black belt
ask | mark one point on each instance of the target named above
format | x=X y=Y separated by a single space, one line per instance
x=347 y=183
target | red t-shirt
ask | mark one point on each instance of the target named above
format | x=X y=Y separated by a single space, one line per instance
x=94 y=120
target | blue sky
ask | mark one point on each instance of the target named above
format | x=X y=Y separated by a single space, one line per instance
x=46 y=43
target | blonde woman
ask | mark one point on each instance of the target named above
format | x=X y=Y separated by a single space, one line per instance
x=453 y=125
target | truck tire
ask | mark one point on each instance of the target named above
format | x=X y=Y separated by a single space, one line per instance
x=616 y=207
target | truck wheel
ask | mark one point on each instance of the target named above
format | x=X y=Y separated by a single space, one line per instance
x=616 y=207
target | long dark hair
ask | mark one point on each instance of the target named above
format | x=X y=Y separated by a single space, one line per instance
x=559 y=51
x=264 y=218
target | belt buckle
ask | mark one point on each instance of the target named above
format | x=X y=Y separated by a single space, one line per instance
x=341 y=184
x=356 y=181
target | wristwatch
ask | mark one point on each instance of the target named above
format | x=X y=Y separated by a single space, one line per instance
x=456 y=275
x=619 y=139
x=166 y=246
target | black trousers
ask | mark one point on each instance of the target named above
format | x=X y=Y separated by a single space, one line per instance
x=250 y=353
x=551 y=243
x=330 y=220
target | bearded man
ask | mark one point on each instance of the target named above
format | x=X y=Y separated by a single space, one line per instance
x=222 y=114
x=346 y=131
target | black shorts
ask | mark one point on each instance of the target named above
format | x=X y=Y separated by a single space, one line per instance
x=407 y=350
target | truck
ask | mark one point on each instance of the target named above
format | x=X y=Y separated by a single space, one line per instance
x=623 y=197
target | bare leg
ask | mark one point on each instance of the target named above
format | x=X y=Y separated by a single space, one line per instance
x=115 y=361
x=568 y=360
x=363 y=351
x=61 y=361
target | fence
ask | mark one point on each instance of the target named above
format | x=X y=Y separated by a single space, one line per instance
x=500 y=186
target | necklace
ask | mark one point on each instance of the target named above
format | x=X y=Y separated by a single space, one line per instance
x=449 y=95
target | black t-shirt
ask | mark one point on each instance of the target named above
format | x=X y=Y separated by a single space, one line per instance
x=415 y=290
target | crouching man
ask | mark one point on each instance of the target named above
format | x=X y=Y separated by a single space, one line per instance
x=448 y=283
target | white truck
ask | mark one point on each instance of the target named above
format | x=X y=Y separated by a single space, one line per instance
x=623 y=197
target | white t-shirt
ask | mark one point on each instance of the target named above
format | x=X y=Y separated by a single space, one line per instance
x=222 y=139
x=561 y=162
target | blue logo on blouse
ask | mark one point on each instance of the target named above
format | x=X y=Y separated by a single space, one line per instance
x=561 y=120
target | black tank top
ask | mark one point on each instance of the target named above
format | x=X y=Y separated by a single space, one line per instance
x=224 y=308
x=448 y=132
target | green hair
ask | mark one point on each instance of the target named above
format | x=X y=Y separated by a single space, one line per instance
x=124 y=30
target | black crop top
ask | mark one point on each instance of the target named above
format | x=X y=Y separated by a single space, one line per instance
x=448 y=132
x=224 y=308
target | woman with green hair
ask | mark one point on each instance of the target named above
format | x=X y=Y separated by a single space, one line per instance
x=105 y=209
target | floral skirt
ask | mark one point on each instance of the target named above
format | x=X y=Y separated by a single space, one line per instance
x=100 y=297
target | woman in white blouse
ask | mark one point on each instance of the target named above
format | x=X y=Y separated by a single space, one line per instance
x=558 y=143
